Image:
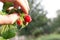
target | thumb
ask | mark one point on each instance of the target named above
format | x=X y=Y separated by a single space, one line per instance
x=13 y=17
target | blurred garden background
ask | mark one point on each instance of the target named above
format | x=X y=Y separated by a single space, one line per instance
x=41 y=27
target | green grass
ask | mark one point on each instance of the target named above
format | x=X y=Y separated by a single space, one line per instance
x=49 y=37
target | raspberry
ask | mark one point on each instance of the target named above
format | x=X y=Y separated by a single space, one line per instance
x=27 y=18
x=19 y=22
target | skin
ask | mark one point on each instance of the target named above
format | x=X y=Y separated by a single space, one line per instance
x=10 y=19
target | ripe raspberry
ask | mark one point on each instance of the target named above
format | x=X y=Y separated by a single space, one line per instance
x=27 y=18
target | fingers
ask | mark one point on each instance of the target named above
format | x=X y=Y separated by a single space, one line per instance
x=24 y=5
x=27 y=4
x=16 y=5
x=4 y=19
x=6 y=0
x=13 y=17
x=8 y=19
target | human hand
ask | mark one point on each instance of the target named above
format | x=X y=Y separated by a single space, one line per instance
x=22 y=3
x=10 y=19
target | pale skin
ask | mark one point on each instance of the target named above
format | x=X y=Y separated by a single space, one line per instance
x=10 y=19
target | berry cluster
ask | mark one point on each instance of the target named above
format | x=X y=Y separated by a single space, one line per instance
x=23 y=18
x=26 y=19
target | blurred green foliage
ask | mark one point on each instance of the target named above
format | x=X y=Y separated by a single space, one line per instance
x=40 y=24
x=1 y=38
x=49 y=37
x=39 y=20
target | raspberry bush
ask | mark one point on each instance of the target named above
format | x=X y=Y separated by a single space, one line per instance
x=8 y=31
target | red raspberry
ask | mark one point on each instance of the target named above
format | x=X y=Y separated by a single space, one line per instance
x=19 y=22
x=27 y=18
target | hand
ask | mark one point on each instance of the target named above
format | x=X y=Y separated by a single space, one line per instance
x=22 y=3
x=10 y=19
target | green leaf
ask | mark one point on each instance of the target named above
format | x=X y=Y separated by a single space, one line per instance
x=6 y=6
x=2 y=13
x=8 y=31
x=1 y=38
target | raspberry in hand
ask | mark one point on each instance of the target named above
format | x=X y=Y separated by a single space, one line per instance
x=27 y=18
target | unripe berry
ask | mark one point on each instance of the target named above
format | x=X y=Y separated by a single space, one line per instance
x=19 y=22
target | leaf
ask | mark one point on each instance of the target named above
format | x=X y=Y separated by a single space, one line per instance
x=8 y=31
x=2 y=13
x=6 y=6
x=1 y=38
